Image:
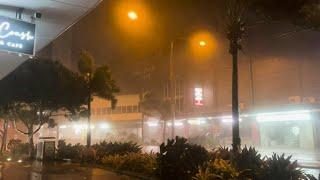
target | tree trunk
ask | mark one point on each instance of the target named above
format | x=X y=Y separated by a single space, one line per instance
x=89 y=114
x=31 y=146
x=89 y=125
x=142 y=129
x=4 y=136
x=236 y=141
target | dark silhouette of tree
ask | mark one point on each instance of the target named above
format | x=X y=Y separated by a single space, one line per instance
x=98 y=82
x=235 y=29
x=39 y=89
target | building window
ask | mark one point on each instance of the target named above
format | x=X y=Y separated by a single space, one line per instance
x=129 y=109
x=109 y=110
x=104 y=111
x=135 y=109
x=117 y=110
x=123 y=109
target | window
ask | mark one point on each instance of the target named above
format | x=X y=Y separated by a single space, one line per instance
x=104 y=111
x=134 y=109
x=117 y=110
x=129 y=109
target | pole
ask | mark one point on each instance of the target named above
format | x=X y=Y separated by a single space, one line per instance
x=172 y=90
x=251 y=81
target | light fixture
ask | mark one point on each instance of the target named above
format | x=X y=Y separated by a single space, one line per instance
x=198 y=121
x=132 y=15
x=300 y=115
x=228 y=119
x=176 y=124
x=152 y=124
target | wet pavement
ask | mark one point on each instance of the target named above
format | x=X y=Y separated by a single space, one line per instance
x=55 y=171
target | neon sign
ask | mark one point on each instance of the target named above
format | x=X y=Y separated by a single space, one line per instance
x=198 y=96
x=17 y=36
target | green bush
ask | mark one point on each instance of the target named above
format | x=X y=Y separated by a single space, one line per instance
x=17 y=148
x=111 y=148
x=179 y=159
x=133 y=162
x=221 y=153
x=218 y=169
x=88 y=155
x=249 y=161
x=68 y=151
x=281 y=167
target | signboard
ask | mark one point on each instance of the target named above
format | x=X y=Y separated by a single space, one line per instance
x=198 y=96
x=17 y=36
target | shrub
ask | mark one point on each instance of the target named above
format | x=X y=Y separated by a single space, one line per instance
x=218 y=169
x=88 y=155
x=18 y=148
x=111 y=148
x=281 y=167
x=134 y=162
x=68 y=151
x=221 y=153
x=179 y=159
x=249 y=162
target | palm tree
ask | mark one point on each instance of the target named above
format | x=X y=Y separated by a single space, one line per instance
x=236 y=10
x=99 y=82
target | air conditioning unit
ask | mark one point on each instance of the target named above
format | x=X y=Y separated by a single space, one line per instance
x=295 y=100
x=309 y=100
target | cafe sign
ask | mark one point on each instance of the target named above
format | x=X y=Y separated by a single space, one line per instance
x=17 y=36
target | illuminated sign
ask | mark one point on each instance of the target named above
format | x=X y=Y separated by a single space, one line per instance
x=198 y=96
x=17 y=36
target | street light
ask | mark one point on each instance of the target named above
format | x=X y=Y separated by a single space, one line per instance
x=201 y=44
x=132 y=15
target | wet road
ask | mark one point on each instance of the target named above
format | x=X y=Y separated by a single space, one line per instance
x=38 y=171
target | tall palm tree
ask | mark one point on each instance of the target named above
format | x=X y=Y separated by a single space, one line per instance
x=235 y=28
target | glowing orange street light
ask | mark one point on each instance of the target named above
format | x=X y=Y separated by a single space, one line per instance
x=132 y=15
x=202 y=43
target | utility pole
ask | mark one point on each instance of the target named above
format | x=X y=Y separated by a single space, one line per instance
x=172 y=89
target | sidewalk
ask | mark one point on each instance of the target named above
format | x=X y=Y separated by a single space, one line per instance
x=55 y=171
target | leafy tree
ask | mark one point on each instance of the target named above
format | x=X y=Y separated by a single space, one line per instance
x=98 y=82
x=39 y=89
x=152 y=105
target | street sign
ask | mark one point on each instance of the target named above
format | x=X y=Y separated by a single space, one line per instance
x=17 y=36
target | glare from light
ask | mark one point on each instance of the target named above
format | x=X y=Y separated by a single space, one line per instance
x=176 y=124
x=202 y=43
x=228 y=119
x=63 y=126
x=19 y=161
x=132 y=15
x=301 y=115
x=198 y=121
x=9 y=159
x=152 y=124
x=104 y=126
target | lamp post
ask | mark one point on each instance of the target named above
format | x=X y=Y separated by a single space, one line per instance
x=172 y=80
